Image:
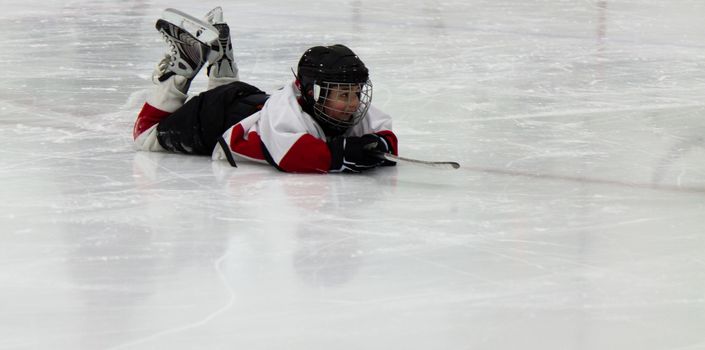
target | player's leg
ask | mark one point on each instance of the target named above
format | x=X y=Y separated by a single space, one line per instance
x=194 y=127
x=172 y=77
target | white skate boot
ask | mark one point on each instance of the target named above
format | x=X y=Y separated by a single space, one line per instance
x=221 y=63
x=189 y=42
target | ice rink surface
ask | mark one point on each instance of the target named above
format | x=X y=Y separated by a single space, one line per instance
x=575 y=222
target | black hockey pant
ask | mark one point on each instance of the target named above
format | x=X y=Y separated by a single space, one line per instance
x=196 y=126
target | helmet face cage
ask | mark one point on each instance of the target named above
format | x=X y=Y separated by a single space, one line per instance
x=341 y=105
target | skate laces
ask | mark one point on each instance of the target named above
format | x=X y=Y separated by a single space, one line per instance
x=166 y=64
x=173 y=50
x=185 y=54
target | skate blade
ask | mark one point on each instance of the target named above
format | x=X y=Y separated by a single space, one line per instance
x=202 y=31
x=214 y=16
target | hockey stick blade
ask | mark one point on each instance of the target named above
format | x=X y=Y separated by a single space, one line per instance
x=202 y=31
x=439 y=165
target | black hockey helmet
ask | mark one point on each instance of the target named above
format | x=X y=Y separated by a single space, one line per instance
x=325 y=68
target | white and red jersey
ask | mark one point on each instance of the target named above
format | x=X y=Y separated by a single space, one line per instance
x=282 y=134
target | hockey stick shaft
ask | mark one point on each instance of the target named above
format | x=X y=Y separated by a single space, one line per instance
x=392 y=158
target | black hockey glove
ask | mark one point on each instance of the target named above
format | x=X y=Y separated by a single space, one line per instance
x=356 y=153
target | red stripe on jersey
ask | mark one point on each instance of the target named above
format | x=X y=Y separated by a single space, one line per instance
x=307 y=155
x=391 y=138
x=148 y=117
x=249 y=147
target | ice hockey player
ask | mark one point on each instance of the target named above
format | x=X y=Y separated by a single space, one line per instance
x=322 y=121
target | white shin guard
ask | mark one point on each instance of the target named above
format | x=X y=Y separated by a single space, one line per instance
x=170 y=94
x=222 y=75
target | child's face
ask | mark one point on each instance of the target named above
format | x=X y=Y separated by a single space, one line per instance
x=342 y=101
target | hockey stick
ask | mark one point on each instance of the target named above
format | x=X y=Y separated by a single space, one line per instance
x=439 y=165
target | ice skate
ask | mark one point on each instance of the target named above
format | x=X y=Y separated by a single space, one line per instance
x=221 y=63
x=187 y=54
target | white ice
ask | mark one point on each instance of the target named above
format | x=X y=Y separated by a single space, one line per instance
x=576 y=221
